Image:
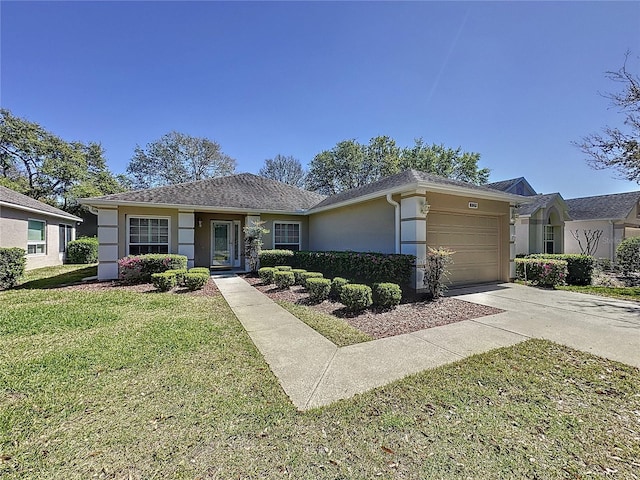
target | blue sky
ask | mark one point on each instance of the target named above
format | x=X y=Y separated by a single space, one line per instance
x=514 y=81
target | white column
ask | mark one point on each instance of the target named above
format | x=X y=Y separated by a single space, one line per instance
x=413 y=232
x=107 y=243
x=512 y=242
x=186 y=236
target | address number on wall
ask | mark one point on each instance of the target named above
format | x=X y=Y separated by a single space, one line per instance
x=473 y=204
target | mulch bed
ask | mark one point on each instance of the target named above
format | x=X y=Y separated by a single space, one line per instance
x=210 y=289
x=406 y=318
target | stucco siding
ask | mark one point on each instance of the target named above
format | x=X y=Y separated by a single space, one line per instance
x=269 y=219
x=125 y=212
x=363 y=227
x=612 y=234
x=13 y=233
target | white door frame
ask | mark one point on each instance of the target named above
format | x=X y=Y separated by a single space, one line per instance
x=232 y=242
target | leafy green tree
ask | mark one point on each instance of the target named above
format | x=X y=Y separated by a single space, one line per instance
x=350 y=164
x=43 y=166
x=619 y=147
x=444 y=162
x=177 y=158
x=284 y=169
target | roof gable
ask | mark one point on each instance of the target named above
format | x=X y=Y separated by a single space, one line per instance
x=518 y=186
x=541 y=201
x=616 y=206
x=242 y=191
x=13 y=199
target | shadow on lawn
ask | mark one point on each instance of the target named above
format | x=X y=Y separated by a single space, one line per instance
x=61 y=280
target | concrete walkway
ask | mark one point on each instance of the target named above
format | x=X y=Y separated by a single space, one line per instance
x=315 y=372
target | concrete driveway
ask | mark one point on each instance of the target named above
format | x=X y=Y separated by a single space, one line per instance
x=605 y=327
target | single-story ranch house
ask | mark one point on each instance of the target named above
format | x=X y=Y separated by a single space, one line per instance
x=403 y=213
x=41 y=230
x=615 y=216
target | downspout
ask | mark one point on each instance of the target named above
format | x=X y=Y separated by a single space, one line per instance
x=396 y=206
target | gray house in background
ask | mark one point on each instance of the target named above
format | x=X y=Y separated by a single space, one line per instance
x=41 y=230
x=540 y=224
x=611 y=217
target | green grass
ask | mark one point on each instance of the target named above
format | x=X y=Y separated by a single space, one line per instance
x=116 y=384
x=49 y=277
x=336 y=330
x=622 y=293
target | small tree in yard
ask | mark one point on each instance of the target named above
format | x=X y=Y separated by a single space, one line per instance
x=435 y=272
x=591 y=240
x=253 y=243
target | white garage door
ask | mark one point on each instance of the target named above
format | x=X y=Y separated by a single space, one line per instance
x=476 y=241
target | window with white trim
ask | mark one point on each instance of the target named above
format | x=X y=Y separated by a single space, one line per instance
x=37 y=237
x=65 y=235
x=286 y=235
x=549 y=239
x=148 y=235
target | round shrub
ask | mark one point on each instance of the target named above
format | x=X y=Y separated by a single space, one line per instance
x=628 y=255
x=12 y=265
x=318 y=288
x=196 y=281
x=386 y=295
x=307 y=275
x=200 y=270
x=356 y=297
x=336 y=287
x=283 y=268
x=297 y=273
x=164 y=281
x=82 y=250
x=266 y=275
x=283 y=279
x=179 y=273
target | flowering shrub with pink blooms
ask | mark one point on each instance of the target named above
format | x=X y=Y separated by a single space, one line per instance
x=543 y=272
x=139 y=268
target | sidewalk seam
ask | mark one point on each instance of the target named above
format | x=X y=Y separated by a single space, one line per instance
x=317 y=385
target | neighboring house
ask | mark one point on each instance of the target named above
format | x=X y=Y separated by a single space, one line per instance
x=612 y=217
x=403 y=213
x=517 y=186
x=41 y=230
x=540 y=224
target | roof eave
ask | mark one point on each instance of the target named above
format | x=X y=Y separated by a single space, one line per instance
x=93 y=202
x=40 y=212
x=431 y=187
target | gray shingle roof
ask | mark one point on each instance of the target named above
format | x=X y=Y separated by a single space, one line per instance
x=614 y=206
x=509 y=185
x=539 y=201
x=21 y=201
x=242 y=191
x=403 y=178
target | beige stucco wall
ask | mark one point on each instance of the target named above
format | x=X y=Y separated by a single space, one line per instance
x=13 y=233
x=202 y=236
x=270 y=218
x=442 y=203
x=612 y=234
x=124 y=212
x=364 y=227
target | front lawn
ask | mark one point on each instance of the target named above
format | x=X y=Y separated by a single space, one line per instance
x=120 y=384
x=622 y=293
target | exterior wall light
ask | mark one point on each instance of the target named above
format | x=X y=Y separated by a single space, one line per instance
x=424 y=207
x=199 y=223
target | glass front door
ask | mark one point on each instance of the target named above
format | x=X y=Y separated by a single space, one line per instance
x=221 y=243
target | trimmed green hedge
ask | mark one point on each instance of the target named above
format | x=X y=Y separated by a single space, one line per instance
x=336 y=287
x=139 y=268
x=283 y=279
x=82 y=250
x=386 y=295
x=318 y=289
x=164 y=281
x=297 y=274
x=12 y=265
x=196 y=280
x=544 y=272
x=271 y=258
x=579 y=267
x=307 y=275
x=266 y=275
x=356 y=297
x=628 y=255
x=362 y=267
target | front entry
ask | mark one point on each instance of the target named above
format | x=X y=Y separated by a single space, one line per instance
x=225 y=236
